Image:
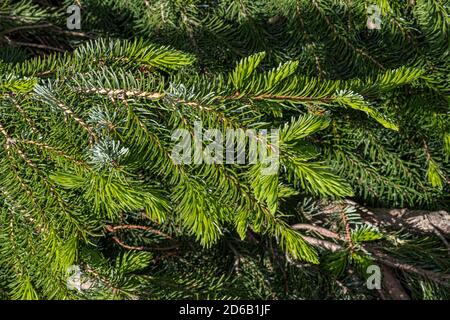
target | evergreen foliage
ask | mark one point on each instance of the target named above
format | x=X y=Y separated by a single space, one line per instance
x=87 y=177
